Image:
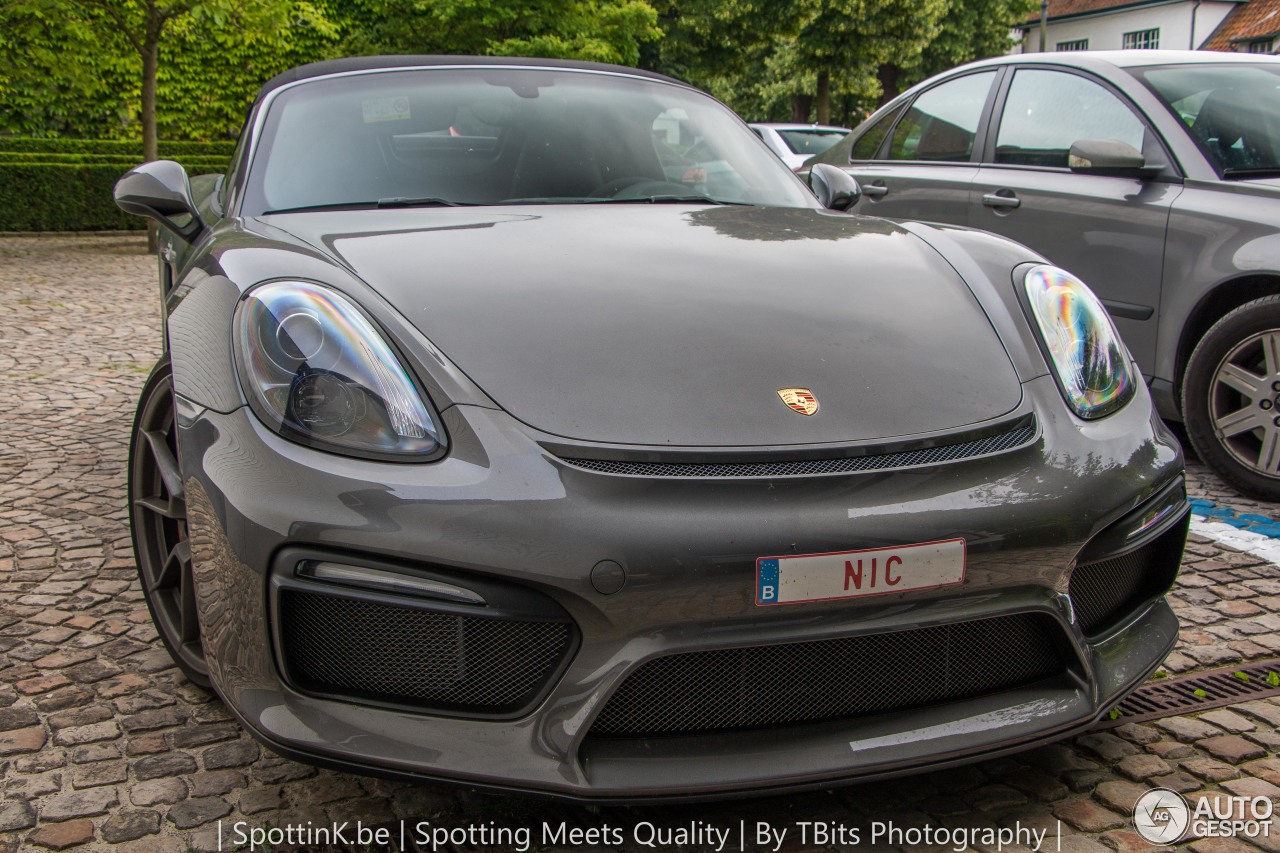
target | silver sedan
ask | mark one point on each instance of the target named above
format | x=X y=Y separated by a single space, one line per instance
x=796 y=143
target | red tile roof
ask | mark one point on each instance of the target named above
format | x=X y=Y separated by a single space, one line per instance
x=1065 y=8
x=1256 y=19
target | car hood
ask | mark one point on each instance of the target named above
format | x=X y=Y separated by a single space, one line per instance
x=661 y=324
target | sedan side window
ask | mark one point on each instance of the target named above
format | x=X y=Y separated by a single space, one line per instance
x=869 y=143
x=942 y=122
x=1047 y=111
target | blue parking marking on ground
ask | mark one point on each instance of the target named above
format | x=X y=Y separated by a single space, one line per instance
x=1250 y=521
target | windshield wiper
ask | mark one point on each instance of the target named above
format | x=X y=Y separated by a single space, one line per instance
x=395 y=201
x=663 y=199
x=1245 y=174
x=425 y=201
x=434 y=201
x=332 y=205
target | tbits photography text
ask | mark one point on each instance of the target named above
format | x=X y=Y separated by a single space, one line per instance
x=742 y=836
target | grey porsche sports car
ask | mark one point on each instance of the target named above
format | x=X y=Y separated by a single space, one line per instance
x=527 y=423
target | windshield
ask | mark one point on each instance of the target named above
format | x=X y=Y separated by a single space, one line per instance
x=810 y=142
x=1231 y=111
x=504 y=135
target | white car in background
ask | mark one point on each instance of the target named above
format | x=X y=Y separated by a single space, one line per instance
x=795 y=143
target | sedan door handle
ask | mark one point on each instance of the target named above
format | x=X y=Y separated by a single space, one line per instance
x=875 y=190
x=1001 y=200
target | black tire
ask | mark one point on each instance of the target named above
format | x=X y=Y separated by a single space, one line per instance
x=1231 y=398
x=158 y=524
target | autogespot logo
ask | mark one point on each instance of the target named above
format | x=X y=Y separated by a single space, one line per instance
x=1161 y=816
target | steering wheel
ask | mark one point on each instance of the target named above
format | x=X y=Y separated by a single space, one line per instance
x=700 y=151
x=639 y=187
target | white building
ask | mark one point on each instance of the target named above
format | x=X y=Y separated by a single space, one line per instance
x=1123 y=24
x=1254 y=27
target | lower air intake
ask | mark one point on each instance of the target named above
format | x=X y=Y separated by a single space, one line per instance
x=428 y=660
x=760 y=686
x=1104 y=592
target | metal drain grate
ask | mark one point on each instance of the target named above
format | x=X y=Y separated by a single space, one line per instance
x=1199 y=691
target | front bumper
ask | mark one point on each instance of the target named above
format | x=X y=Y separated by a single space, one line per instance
x=501 y=509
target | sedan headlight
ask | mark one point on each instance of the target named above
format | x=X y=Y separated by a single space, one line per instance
x=316 y=370
x=1091 y=364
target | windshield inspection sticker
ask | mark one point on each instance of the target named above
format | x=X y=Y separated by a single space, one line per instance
x=385 y=109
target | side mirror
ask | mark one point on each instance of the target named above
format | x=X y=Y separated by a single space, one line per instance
x=1108 y=157
x=160 y=190
x=834 y=187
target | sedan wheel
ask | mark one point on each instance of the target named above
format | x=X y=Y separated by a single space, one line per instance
x=1231 y=398
x=158 y=519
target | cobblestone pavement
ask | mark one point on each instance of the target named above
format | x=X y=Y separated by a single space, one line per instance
x=103 y=743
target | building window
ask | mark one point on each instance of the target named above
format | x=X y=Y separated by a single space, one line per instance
x=1078 y=44
x=1142 y=40
x=1260 y=46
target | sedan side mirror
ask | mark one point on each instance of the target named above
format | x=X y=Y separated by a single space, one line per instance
x=1108 y=157
x=834 y=187
x=160 y=190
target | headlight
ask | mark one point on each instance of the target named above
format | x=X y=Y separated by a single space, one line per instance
x=317 y=371
x=1091 y=364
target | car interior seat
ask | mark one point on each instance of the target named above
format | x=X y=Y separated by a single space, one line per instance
x=1230 y=132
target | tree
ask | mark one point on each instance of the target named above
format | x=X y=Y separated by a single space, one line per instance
x=76 y=75
x=599 y=30
x=141 y=26
x=757 y=54
x=212 y=71
x=722 y=39
x=971 y=29
x=142 y=23
x=116 y=33
x=737 y=50
x=67 y=67
x=845 y=42
x=59 y=76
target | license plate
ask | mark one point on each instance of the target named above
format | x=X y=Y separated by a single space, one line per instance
x=858 y=574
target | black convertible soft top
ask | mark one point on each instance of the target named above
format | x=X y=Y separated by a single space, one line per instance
x=365 y=63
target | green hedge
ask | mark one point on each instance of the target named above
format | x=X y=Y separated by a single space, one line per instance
x=168 y=150
x=44 y=157
x=65 y=184
x=194 y=165
x=61 y=197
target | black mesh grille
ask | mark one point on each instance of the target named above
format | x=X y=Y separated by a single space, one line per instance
x=1101 y=591
x=846 y=465
x=429 y=660
x=733 y=689
x=1106 y=591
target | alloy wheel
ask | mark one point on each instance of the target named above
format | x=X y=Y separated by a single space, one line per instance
x=1244 y=402
x=158 y=518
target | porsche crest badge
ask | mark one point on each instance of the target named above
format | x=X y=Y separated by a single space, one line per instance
x=799 y=399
